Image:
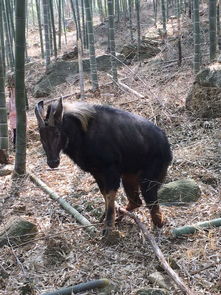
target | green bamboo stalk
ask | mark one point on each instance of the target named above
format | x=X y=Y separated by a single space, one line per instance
x=191 y=229
x=190 y=8
x=117 y=11
x=46 y=32
x=2 y=39
x=155 y=6
x=53 y=27
x=81 y=287
x=212 y=30
x=137 y=3
x=179 y=45
x=50 y=30
x=81 y=70
x=79 y=26
x=218 y=25
x=196 y=36
x=84 y=25
x=59 y=24
x=9 y=45
x=163 y=10
x=20 y=159
x=124 y=8
x=112 y=39
x=33 y=13
x=3 y=110
x=10 y=27
x=39 y=27
x=101 y=10
x=130 y=20
x=75 y=17
x=10 y=18
x=90 y=31
x=63 y=20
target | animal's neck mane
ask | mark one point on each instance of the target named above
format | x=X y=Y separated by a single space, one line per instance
x=82 y=111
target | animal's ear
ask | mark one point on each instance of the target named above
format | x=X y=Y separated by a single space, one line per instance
x=58 y=115
x=39 y=112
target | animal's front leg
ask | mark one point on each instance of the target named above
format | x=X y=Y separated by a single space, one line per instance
x=109 y=222
x=108 y=181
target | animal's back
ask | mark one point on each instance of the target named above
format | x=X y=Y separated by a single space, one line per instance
x=121 y=138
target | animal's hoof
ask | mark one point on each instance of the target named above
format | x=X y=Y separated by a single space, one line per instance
x=106 y=231
x=158 y=222
x=157 y=218
x=111 y=237
x=132 y=206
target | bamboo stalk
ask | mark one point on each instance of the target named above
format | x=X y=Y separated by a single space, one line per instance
x=64 y=204
x=173 y=275
x=81 y=287
x=190 y=229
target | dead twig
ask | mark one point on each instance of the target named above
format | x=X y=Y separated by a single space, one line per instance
x=127 y=88
x=157 y=252
x=204 y=268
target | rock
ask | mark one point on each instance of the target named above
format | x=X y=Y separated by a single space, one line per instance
x=17 y=231
x=69 y=24
x=152 y=291
x=6 y=170
x=204 y=98
x=180 y=191
x=70 y=55
x=62 y=71
x=3 y=156
x=163 y=281
x=147 y=50
x=158 y=278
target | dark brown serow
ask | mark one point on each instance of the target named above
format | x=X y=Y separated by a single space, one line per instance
x=112 y=145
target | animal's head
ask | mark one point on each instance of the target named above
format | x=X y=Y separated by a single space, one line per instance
x=50 y=130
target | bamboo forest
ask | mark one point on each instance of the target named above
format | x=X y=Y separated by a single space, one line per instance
x=110 y=147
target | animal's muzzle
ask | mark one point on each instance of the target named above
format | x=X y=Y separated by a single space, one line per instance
x=53 y=163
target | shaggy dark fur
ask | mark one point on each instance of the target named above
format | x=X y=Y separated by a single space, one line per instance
x=115 y=145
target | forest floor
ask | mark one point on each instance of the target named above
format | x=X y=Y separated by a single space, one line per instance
x=62 y=253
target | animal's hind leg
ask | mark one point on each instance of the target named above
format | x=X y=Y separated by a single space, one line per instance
x=150 y=182
x=131 y=188
x=149 y=191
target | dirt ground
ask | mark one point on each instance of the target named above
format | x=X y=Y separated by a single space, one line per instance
x=63 y=253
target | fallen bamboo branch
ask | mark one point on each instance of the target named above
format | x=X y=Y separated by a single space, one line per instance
x=173 y=275
x=64 y=204
x=127 y=88
x=191 y=229
x=96 y=284
x=139 y=95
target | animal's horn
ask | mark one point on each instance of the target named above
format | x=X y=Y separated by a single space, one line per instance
x=51 y=117
x=59 y=111
x=39 y=112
